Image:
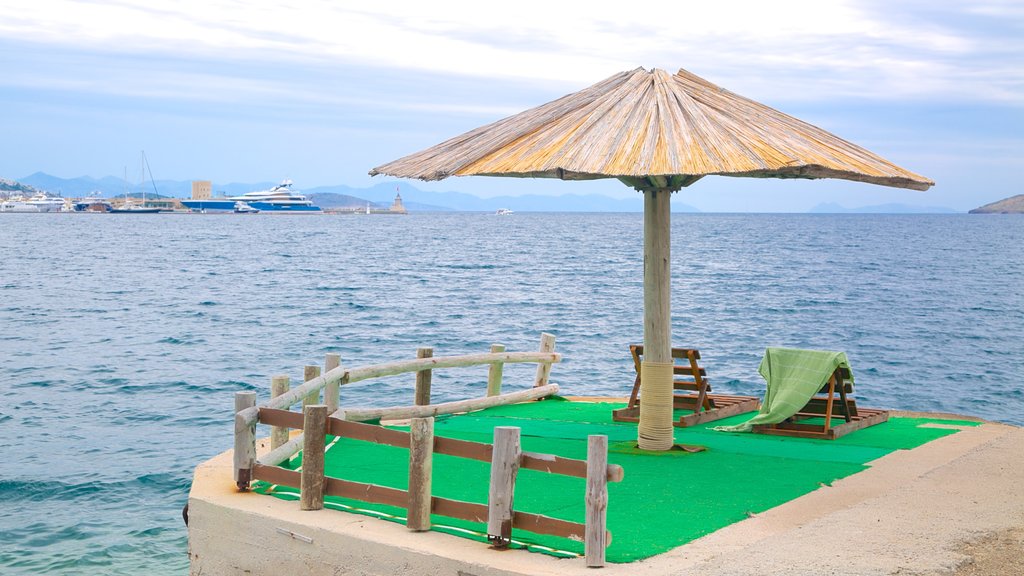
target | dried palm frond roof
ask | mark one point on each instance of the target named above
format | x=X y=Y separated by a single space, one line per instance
x=652 y=129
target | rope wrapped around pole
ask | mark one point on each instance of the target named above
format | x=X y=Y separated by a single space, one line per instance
x=655 y=428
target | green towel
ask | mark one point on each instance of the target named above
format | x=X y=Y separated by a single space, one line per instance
x=793 y=376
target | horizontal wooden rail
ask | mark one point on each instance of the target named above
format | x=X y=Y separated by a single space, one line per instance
x=282 y=452
x=342 y=375
x=404 y=366
x=406 y=412
x=448 y=446
x=468 y=511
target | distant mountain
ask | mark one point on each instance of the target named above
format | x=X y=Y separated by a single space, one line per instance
x=1011 y=205
x=108 y=186
x=378 y=197
x=833 y=208
x=233 y=188
x=332 y=200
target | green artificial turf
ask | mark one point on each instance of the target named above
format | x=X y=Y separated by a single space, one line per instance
x=666 y=499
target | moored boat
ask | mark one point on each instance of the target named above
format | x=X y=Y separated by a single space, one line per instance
x=132 y=208
x=279 y=199
x=38 y=203
x=94 y=202
x=129 y=206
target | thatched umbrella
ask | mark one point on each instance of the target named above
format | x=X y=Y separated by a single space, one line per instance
x=656 y=133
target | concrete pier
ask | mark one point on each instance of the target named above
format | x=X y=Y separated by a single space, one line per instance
x=940 y=508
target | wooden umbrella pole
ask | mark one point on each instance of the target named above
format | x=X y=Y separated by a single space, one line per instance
x=655 y=430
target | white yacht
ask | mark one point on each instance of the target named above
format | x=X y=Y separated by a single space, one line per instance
x=38 y=203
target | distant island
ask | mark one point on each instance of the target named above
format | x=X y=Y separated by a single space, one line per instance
x=1011 y=205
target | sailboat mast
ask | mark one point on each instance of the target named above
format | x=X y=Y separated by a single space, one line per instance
x=152 y=182
x=142 y=177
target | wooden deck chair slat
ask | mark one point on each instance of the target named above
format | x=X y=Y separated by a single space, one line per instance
x=689 y=376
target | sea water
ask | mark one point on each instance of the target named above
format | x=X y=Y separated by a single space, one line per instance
x=123 y=338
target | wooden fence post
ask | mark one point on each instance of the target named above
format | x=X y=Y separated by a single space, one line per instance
x=421 y=454
x=332 y=392
x=423 y=379
x=278 y=434
x=504 y=467
x=311 y=482
x=245 y=441
x=596 y=536
x=495 y=373
x=308 y=373
x=547 y=344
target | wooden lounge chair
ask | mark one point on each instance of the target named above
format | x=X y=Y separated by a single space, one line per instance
x=690 y=376
x=826 y=406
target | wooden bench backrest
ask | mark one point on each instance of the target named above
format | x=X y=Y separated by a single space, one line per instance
x=689 y=375
x=847 y=381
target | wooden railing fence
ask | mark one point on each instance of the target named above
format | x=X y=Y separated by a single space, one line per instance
x=505 y=455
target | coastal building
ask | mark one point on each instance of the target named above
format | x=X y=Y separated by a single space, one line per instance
x=202 y=189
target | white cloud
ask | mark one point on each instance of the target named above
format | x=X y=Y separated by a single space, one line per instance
x=839 y=48
x=998 y=8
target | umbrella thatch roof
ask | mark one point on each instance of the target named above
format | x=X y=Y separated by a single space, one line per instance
x=652 y=130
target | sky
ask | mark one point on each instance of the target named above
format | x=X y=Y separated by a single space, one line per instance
x=322 y=91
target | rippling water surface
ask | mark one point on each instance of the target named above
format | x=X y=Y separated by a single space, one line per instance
x=124 y=338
